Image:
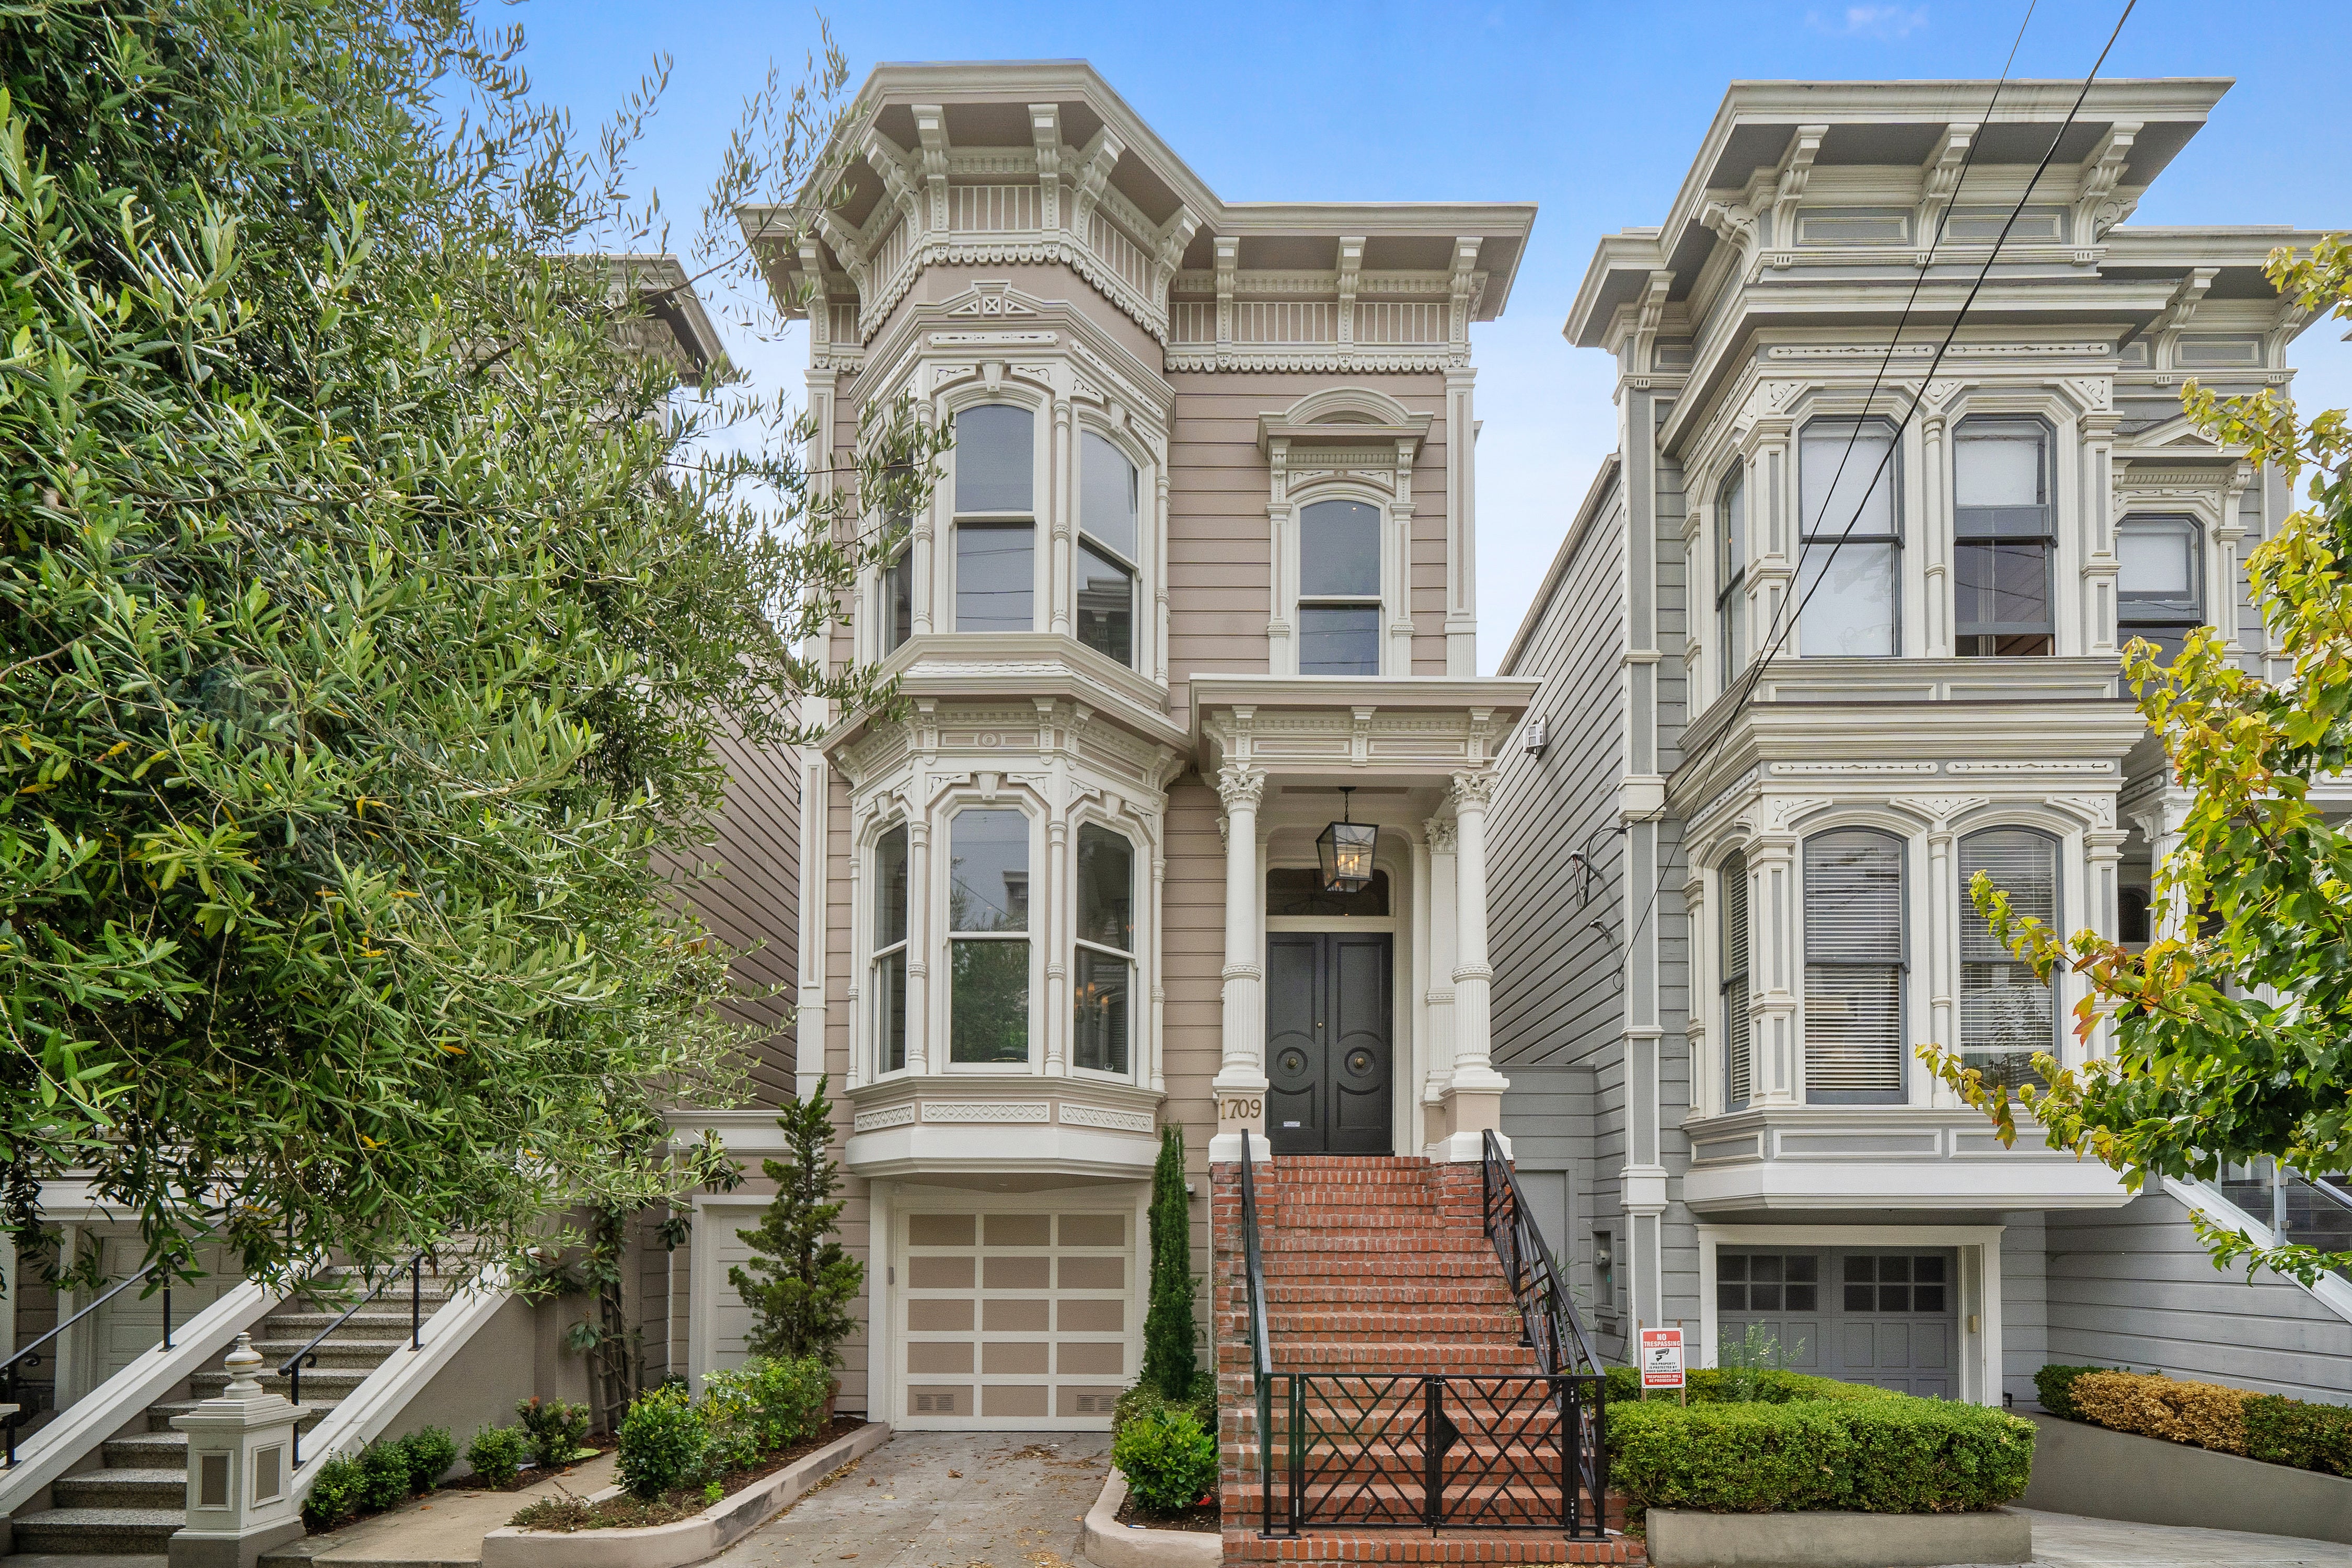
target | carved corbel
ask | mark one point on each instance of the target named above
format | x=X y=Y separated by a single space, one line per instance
x=1045 y=130
x=1653 y=311
x=1095 y=165
x=846 y=247
x=2102 y=172
x=1942 y=183
x=899 y=181
x=1459 y=289
x=932 y=129
x=1351 y=267
x=1168 y=250
x=809 y=281
x=1796 y=169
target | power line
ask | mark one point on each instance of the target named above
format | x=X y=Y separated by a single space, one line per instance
x=1769 y=653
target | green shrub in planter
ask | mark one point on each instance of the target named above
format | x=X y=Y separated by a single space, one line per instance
x=383 y=1475
x=2282 y=1431
x=334 y=1497
x=1145 y=1399
x=557 y=1427
x=497 y=1454
x=664 y=1444
x=1168 y=1462
x=2052 y=1386
x=1761 y=1385
x=767 y=1403
x=1895 y=1455
x=430 y=1451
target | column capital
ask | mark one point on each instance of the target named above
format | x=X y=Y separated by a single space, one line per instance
x=1472 y=791
x=1240 y=787
x=1440 y=831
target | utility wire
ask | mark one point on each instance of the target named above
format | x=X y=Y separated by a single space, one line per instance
x=1765 y=655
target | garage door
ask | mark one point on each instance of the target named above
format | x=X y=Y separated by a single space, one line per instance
x=1879 y=1315
x=1015 y=1321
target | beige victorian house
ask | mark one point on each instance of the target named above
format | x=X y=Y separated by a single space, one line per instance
x=1202 y=559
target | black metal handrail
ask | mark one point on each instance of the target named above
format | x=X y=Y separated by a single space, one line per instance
x=1553 y=1325
x=31 y=1354
x=290 y=1369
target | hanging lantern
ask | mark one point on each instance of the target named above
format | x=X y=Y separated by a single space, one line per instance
x=1346 y=851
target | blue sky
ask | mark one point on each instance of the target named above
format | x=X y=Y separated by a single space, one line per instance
x=1592 y=111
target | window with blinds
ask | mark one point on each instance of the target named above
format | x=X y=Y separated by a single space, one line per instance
x=2007 y=1013
x=1853 y=968
x=1738 y=1063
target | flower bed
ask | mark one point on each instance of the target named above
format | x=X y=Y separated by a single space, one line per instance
x=625 y=1511
x=1786 y=1442
x=2267 y=1426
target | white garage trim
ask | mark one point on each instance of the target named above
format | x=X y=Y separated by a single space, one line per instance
x=1978 y=1245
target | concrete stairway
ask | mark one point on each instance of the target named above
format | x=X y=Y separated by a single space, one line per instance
x=126 y=1510
x=1378 y=1273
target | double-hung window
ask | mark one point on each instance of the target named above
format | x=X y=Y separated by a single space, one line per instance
x=1849 y=578
x=988 y=935
x=1738 y=1055
x=894 y=599
x=1108 y=536
x=2160 y=591
x=995 y=520
x=1103 y=968
x=1731 y=575
x=890 y=991
x=1340 y=589
x=2007 y=1013
x=1853 y=967
x=2004 y=535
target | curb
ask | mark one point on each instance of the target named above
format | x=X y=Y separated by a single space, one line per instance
x=688 y=1540
x=1106 y=1544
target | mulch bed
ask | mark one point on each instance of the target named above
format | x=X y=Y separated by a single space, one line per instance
x=1201 y=1521
x=563 y=1515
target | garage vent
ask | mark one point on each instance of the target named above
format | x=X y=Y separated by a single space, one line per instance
x=935 y=1404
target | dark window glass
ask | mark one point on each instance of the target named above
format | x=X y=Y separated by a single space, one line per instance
x=2131 y=915
x=1732 y=1266
x=988 y=892
x=1803 y=1297
x=897 y=600
x=890 y=888
x=1106 y=606
x=890 y=1009
x=1339 y=550
x=1105 y=889
x=1732 y=576
x=1339 y=640
x=1102 y=985
x=1298 y=891
x=2160 y=589
x=988 y=871
x=2003 y=538
x=1108 y=501
x=996 y=581
x=988 y=1017
x=1860 y=1296
x=996 y=459
x=890 y=949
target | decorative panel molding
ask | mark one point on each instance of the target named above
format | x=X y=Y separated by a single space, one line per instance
x=1112 y=1120
x=986 y=1110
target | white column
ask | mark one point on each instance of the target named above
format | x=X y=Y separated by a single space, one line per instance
x=1240 y=1084
x=1054 y=932
x=1943 y=948
x=1473 y=1095
x=919 y=932
x=1438 y=981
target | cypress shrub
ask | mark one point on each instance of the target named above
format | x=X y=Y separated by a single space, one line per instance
x=1168 y=1365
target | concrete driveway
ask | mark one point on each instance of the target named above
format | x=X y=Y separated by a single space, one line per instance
x=944 y=1499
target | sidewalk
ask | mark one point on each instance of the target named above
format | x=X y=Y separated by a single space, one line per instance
x=2071 y=1540
x=442 y=1530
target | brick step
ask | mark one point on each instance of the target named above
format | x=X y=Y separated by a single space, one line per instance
x=1438 y=1324
x=1404 y=1358
x=1367 y=1292
x=1393 y=1244
x=1413 y=1545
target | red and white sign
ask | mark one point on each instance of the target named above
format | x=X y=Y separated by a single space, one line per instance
x=1662 y=1358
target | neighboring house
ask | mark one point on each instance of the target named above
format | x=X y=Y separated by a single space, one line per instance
x=1729 y=902
x=1201 y=559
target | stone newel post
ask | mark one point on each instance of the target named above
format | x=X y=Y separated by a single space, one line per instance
x=241 y=1500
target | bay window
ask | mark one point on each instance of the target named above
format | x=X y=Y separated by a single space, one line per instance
x=1738 y=1071
x=894 y=601
x=995 y=520
x=889 y=968
x=1849 y=578
x=1854 y=968
x=988 y=926
x=1340 y=588
x=2007 y=1012
x=2004 y=536
x=2159 y=590
x=1108 y=515
x=1103 y=966
x=1732 y=576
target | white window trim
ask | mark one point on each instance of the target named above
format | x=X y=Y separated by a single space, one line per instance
x=1040 y=516
x=1978 y=1245
x=1150 y=597
x=1395 y=645
x=2074 y=558
x=1908 y=839
x=1908 y=600
x=941 y=998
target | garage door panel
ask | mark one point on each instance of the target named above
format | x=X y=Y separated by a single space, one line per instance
x=1020 y=1230
x=935 y=1356
x=1880 y=1316
x=1002 y=1400
x=1093 y=1230
x=1096 y=1401
x=940 y=1273
x=1017 y=1317
x=1017 y=1273
x=1092 y=1358
x=1086 y=1317
x=939 y=1317
x=942 y=1229
x=934 y=1399
x=1017 y=1357
x=1094 y=1273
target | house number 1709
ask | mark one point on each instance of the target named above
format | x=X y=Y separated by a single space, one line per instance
x=1239 y=1110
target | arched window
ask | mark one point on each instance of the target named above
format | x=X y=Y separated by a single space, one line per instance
x=889 y=988
x=1340 y=589
x=1108 y=549
x=1848 y=580
x=1103 y=967
x=1731 y=574
x=2003 y=536
x=1739 y=1075
x=2007 y=1013
x=2159 y=590
x=1855 y=964
x=995 y=520
x=988 y=925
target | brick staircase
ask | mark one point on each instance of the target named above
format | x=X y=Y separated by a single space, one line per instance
x=127 y=1509
x=1379 y=1272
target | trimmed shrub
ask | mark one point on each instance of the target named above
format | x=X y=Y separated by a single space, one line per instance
x=1879 y=1455
x=1169 y=1462
x=557 y=1427
x=383 y=1475
x=1761 y=1385
x=2204 y=1414
x=497 y=1454
x=2054 y=1385
x=334 y=1497
x=2284 y=1431
x=767 y=1403
x=430 y=1451
x=1144 y=1399
x=664 y=1444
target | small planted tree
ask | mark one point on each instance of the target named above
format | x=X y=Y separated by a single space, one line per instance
x=1168 y=1360
x=798 y=1282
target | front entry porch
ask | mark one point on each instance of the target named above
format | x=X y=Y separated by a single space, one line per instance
x=1356 y=1024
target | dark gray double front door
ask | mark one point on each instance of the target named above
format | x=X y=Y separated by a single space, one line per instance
x=1329 y=1042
